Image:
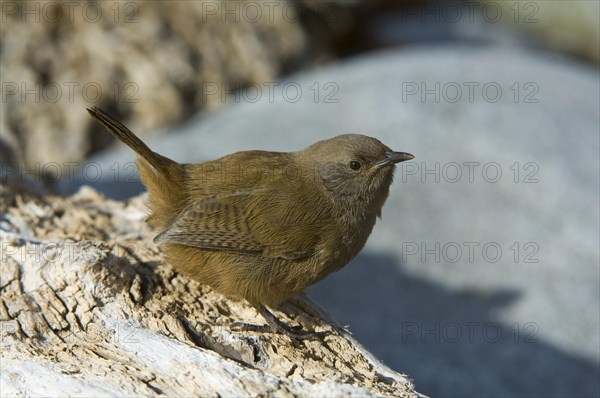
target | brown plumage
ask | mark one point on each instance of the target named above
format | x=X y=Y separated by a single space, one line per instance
x=265 y=225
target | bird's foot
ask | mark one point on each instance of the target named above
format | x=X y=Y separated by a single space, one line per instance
x=274 y=325
x=294 y=332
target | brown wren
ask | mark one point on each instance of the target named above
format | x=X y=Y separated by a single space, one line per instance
x=265 y=225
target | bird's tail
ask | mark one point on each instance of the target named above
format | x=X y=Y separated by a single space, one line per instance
x=163 y=177
x=116 y=128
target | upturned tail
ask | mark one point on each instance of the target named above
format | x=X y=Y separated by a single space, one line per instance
x=116 y=128
x=163 y=177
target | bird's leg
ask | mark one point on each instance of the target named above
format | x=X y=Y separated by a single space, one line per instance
x=274 y=325
x=307 y=305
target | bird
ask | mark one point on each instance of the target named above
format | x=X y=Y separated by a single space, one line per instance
x=260 y=225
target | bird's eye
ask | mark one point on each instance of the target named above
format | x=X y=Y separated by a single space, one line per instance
x=355 y=165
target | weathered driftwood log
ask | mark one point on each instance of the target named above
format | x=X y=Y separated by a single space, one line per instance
x=90 y=308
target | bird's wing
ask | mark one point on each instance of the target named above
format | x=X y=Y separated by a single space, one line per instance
x=241 y=224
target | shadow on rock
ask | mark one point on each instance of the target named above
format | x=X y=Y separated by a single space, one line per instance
x=450 y=342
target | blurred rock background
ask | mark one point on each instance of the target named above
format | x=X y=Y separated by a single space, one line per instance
x=196 y=81
x=147 y=62
x=152 y=63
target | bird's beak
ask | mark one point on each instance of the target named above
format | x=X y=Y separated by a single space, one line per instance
x=392 y=158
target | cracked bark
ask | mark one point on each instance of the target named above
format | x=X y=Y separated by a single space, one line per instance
x=89 y=307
